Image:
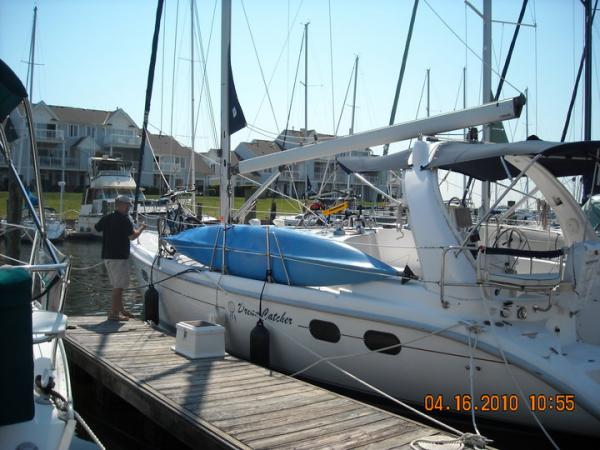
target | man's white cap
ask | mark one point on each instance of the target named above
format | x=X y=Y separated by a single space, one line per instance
x=123 y=199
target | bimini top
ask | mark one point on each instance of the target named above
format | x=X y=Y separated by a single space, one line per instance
x=484 y=161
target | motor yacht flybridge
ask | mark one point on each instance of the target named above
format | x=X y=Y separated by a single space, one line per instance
x=462 y=323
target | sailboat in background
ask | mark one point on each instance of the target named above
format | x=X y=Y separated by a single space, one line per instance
x=38 y=403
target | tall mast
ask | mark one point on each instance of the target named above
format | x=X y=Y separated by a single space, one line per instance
x=306 y=104
x=402 y=69
x=487 y=86
x=587 y=98
x=193 y=154
x=225 y=185
x=30 y=67
x=428 y=93
x=354 y=95
x=353 y=111
x=306 y=79
x=32 y=55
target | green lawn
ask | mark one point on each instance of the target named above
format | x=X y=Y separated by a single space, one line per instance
x=210 y=205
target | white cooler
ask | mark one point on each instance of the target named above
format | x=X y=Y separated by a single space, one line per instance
x=200 y=339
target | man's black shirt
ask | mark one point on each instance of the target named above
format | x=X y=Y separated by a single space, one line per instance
x=116 y=229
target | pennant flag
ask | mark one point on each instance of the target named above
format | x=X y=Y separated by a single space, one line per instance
x=308 y=184
x=237 y=121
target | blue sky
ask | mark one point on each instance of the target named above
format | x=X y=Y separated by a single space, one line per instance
x=95 y=54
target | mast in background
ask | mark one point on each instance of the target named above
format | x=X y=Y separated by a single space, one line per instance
x=487 y=88
x=587 y=98
x=225 y=185
x=192 y=181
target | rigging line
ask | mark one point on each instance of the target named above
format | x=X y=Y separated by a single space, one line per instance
x=287 y=122
x=331 y=64
x=264 y=130
x=204 y=84
x=487 y=309
x=162 y=70
x=262 y=74
x=535 y=33
x=345 y=98
x=468 y=47
x=286 y=43
x=173 y=80
x=419 y=104
x=458 y=93
x=379 y=391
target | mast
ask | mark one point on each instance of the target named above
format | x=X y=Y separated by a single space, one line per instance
x=30 y=68
x=428 y=93
x=225 y=185
x=487 y=87
x=402 y=68
x=464 y=178
x=587 y=98
x=306 y=79
x=193 y=154
x=353 y=111
x=32 y=55
x=354 y=95
x=306 y=104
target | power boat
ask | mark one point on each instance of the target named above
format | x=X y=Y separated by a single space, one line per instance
x=38 y=408
x=108 y=178
x=464 y=323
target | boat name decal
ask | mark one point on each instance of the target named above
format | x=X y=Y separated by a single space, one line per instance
x=267 y=314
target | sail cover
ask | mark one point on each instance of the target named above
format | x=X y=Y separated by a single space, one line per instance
x=12 y=91
x=484 y=161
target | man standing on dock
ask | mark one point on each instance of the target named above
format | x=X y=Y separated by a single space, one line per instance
x=117 y=230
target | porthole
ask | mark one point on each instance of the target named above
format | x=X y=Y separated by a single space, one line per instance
x=144 y=275
x=324 y=331
x=374 y=340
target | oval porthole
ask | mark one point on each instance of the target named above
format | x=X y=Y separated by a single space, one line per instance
x=144 y=275
x=324 y=331
x=374 y=340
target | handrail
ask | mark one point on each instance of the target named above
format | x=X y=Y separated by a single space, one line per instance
x=38 y=267
x=445 y=250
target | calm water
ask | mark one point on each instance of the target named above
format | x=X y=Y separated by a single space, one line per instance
x=89 y=292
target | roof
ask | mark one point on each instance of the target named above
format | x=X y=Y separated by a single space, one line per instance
x=80 y=115
x=163 y=144
x=260 y=147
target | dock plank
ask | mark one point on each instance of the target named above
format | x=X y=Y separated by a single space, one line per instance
x=226 y=402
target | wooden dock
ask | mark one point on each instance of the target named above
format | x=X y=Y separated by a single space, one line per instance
x=227 y=403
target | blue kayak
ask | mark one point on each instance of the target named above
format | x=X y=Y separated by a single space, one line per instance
x=296 y=258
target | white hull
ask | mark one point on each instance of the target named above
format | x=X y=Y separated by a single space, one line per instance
x=428 y=364
x=49 y=428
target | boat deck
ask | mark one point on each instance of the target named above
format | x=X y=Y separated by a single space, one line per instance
x=227 y=402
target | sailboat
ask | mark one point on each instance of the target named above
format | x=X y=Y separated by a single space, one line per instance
x=37 y=411
x=449 y=320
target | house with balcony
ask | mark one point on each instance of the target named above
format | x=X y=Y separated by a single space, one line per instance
x=67 y=137
x=310 y=176
x=174 y=161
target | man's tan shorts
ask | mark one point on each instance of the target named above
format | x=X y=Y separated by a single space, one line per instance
x=118 y=272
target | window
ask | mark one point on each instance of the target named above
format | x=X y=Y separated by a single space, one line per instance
x=73 y=130
x=375 y=340
x=91 y=131
x=324 y=331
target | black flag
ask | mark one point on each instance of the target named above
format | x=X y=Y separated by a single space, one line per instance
x=237 y=121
